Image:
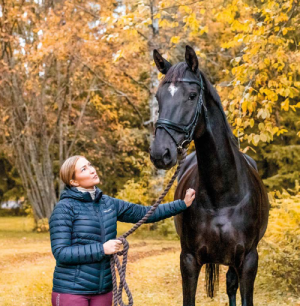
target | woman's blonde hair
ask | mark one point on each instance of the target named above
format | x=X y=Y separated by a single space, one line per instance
x=67 y=170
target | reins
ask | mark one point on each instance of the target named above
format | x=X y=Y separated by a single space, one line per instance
x=114 y=259
x=167 y=125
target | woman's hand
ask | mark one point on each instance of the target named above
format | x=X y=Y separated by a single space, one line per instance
x=189 y=197
x=112 y=246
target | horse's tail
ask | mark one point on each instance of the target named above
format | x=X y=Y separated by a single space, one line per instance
x=211 y=279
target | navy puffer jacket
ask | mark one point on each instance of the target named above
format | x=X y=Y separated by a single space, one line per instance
x=78 y=228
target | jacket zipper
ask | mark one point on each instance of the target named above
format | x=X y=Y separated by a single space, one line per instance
x=102 y=241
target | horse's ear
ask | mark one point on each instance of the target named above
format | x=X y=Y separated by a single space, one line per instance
x=162 y=64
x=191 y=58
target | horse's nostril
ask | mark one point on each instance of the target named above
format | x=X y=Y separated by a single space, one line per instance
x=167 y=157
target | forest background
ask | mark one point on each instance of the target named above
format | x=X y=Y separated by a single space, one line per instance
x=78 y=77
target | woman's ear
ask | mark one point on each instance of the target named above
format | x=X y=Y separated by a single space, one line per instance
x=162 y=64
x=74 y=183
x=191 y=59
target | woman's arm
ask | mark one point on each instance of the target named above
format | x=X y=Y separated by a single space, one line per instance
x=132 y=213
x=61 y=225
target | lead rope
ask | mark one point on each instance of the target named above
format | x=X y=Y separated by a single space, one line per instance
x=114 y=259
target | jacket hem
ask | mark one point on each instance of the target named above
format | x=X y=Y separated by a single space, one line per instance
x=79 y=292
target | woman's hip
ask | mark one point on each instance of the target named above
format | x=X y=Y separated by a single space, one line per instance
x=65 y=299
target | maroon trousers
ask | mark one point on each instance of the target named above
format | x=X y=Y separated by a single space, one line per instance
x=64 y=299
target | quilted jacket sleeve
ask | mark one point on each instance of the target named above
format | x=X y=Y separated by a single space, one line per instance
x=132 y=213
x=61 y=224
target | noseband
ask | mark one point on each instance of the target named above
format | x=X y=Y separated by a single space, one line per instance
x=187 y=130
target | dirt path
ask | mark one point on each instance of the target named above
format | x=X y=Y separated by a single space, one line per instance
x=155 y=280
x=153 y=276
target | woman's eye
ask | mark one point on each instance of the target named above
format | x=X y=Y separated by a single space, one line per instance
x=192 y=96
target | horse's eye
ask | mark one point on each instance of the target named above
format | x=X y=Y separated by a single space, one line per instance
x=192 y=96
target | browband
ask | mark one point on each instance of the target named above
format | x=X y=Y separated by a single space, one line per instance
x=200 y=83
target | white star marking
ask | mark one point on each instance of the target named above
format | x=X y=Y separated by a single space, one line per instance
x=172 y=89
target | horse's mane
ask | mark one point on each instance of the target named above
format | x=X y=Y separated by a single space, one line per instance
x=210 y=90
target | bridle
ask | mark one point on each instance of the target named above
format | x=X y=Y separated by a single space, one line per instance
x=187 y=130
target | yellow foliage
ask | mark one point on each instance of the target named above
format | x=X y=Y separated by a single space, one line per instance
x=42 y=225
x=280 y=246
x=175 y=39
x=146 y=189
x=285 y=104
x=266 y=62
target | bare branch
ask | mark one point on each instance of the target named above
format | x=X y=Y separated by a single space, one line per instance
x=144 y=36
x=174 y=6
x=87 y=11
x=290 y=17
x=62 y=104
x=87 y=100
x=137 y=82
x=119 y=92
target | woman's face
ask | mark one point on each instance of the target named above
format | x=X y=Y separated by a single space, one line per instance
x=85 y=174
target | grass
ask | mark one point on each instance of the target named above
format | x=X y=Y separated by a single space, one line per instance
x=26 y=271
x=16 y=224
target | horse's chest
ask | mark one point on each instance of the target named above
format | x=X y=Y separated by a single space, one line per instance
x=215 y=236
x=216 y=229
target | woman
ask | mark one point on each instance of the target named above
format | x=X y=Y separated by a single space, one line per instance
x=83 y=228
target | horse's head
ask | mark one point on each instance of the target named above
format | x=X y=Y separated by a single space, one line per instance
x=180 y=98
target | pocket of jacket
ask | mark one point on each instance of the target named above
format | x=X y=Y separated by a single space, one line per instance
x=76 y=273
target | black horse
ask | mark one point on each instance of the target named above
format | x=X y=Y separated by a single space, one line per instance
x=230 y=212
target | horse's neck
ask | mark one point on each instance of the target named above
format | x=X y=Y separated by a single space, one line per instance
x=221 y=174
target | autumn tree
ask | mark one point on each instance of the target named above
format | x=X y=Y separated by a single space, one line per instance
x=58 y=97
x=78 y=78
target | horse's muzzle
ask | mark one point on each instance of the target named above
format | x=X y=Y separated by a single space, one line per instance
x=163 y=161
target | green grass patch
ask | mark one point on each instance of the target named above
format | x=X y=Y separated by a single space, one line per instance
x=16 y=224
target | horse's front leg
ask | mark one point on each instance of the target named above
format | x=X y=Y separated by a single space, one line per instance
x=190 y=270
x=247 y=273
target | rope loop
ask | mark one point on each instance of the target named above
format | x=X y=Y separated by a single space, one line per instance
x=125 y=246
x=114 y=259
